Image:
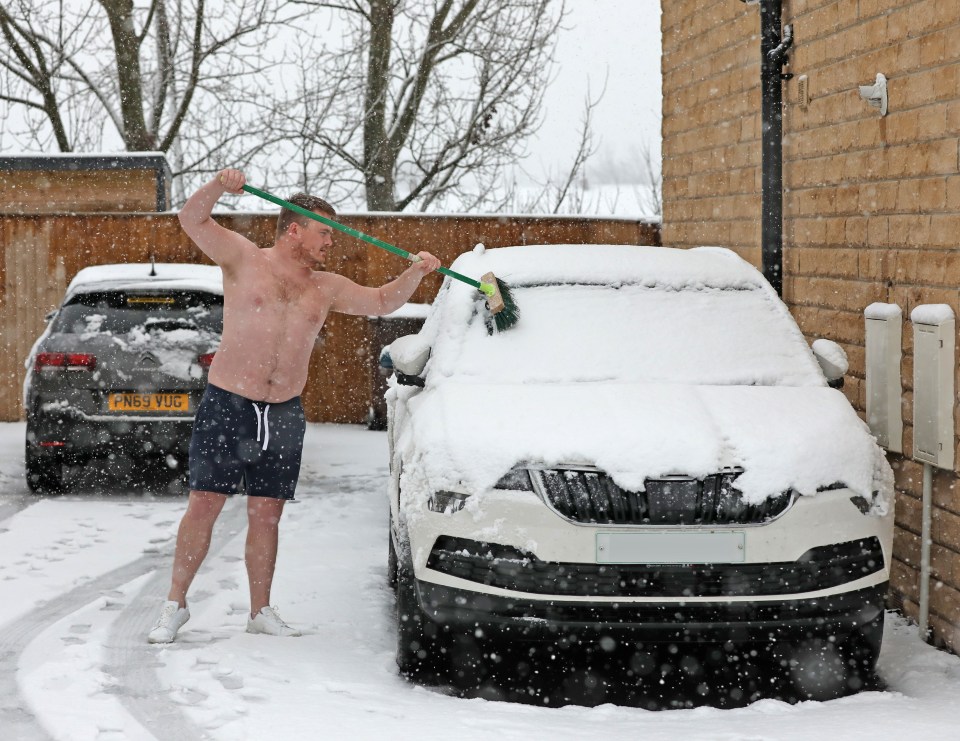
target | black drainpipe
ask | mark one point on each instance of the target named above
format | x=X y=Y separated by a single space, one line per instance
x=773 y=57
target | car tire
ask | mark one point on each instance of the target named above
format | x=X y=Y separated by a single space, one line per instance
x=419 y=644
x=861 y=650
x=375 y=421
x=823 y=669
x=467 y=660
x=44 y=474
x=391 y=562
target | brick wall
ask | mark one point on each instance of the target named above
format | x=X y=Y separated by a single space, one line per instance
x=871 y=204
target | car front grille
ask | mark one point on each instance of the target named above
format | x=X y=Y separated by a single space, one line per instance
x=591 y=496
x=516 y=570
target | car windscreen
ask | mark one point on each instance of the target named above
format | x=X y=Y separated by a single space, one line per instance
x=628 y=333
x=119 y=312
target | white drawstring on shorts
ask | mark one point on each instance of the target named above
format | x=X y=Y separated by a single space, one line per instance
x=266 y=423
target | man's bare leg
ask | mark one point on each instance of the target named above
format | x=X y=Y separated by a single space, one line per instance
x=193 y=540
x=263 y=514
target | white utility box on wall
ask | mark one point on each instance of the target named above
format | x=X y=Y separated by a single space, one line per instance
x=884 y=340
x=933 y=368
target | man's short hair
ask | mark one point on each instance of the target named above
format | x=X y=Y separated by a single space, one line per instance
x=303 y=200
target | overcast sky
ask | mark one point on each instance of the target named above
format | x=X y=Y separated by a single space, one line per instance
x=616 y=40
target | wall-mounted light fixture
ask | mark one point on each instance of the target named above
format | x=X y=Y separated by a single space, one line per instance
x=876 y=94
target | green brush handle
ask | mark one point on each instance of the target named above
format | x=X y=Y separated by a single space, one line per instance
x=360 y=235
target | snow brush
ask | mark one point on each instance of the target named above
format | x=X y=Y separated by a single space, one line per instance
x=499 y=299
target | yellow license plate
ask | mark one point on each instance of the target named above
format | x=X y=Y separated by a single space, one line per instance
x=149 y=402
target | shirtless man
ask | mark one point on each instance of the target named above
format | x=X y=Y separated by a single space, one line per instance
x=250 y=422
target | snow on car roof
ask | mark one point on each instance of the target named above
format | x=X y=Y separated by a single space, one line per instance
x=137 y=276
x=668 y=267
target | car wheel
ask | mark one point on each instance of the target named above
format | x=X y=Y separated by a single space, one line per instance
x=861 y=650
x=391 y=563
x=822 y=669
x=419 y=644
x=467 y=659
x=44 y=474
x=374 y=421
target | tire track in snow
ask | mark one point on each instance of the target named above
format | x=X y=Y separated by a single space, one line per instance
x=131 y=665
x=133 y=661
x=16 y=720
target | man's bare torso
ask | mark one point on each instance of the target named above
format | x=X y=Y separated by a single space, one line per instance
x=277 y=299
x=272 y=315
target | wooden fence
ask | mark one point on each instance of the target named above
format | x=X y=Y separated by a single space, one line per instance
x=40 y=254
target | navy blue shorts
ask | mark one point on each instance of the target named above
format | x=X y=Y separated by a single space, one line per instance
x=238 y=440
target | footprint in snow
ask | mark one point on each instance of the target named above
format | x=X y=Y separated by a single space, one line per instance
x=228 y=679
x=188 y=695
x=255 y=696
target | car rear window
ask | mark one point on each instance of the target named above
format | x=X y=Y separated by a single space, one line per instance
x=118 y=312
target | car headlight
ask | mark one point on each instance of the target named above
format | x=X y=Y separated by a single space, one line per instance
x=518 y=479
x=446 y=501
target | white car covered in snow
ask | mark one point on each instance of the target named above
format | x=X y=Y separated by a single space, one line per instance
x=653 y=453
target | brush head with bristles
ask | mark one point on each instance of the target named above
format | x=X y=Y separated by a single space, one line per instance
x=500 y=302
x=509 y=315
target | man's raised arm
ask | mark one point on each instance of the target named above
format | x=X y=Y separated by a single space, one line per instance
x=351 y=298
x=221 y=245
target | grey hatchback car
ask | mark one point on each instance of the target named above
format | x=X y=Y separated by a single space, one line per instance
x=120 y=368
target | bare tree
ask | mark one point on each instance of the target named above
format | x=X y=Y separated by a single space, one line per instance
x=562 y=193
x=420 y=103
x=652 y=171
x=142 y=72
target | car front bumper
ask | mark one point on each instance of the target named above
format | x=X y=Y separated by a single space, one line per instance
x=745 y=621
x=550 y=594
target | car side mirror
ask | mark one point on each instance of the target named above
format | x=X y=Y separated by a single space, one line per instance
x=386 y=365
x=833 y=361
x=409 y=355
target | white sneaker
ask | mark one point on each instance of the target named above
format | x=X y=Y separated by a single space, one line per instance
x=172 y=617
x=268 y=621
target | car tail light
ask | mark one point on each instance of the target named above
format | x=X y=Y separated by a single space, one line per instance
x=66 y=360
x=205 y=360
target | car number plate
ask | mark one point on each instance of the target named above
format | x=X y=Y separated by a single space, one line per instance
x=673 y=547
x=149 y=402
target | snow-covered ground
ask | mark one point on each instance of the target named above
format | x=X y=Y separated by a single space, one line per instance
x=82 y=576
